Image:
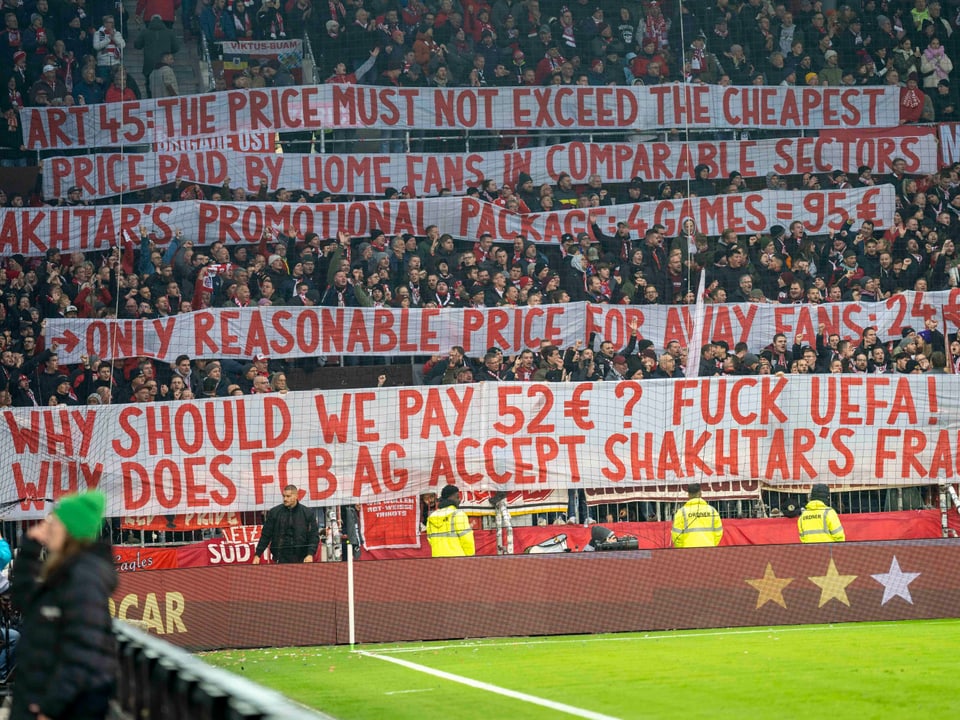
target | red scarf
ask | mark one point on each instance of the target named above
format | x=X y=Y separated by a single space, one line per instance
x=911 y=98
x=524 y=374
x=66 y=72
x=657 y=29
x=698 y=61
x=41 y=42
x=555 y=62
x=276 y=24
x=112 y=49
x=243 y=22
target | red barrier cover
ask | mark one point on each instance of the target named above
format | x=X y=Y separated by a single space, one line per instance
x=907 y=525
x=521 y=595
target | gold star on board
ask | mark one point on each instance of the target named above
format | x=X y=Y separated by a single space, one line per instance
x=770 y=588
x=833 y=585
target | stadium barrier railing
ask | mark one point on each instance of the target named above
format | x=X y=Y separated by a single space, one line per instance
x=160 y=681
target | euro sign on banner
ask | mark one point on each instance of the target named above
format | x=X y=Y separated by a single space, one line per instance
x=31 y=231
x=361 y=446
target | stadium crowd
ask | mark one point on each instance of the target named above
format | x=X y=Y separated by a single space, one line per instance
x=785 y=266
x=58 y=52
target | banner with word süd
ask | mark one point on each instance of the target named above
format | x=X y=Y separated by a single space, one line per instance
x=236 y=454
x=292 y=332
x=107 y=174
x=551 y=108
x=31 y=231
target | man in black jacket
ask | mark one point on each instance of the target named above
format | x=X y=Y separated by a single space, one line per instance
x=290 y=531
x=618 y=247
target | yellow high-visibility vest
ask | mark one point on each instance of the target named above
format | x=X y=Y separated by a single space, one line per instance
x=819 y=523
x=449 y=533
x=697 y=524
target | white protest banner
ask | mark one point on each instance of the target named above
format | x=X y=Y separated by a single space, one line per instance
x=263 y=48
x=291 y=332
x=30 y=231
x=949 y=143
x=108 y=174
x=756 y=324
x=316 y=107
x=728 y=489
x=236 y=454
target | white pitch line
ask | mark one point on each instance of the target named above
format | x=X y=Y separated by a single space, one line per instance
x=643 y=638
x=404 y=692
x=470 y=682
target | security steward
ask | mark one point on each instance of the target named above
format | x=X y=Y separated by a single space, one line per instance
x=696 y=524
x=819 y=523
x=448 y=527
x=290 y=530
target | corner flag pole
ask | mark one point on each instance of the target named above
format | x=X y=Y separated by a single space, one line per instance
x=351 y=615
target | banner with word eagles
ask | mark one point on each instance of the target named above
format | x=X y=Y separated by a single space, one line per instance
x=108 y=174
x=236 y=454
x=291 y=332
x=31 y=231
x=551 y=108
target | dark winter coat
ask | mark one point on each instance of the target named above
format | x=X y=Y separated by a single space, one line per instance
x=291 y=533
x=66 y=657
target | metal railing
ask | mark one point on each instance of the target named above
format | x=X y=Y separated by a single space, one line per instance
x=207 y=77
x=308 y=56
x=162 y=682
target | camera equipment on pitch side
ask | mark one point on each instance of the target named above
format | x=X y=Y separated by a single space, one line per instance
x=332 y=539
x=604 y=539
x=504 y=523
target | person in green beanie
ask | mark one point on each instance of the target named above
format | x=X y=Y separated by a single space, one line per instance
x=66 y=657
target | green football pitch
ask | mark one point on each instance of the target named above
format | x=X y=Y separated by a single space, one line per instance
x=852 y=671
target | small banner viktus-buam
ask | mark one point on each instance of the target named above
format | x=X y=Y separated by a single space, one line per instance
x=240 y=55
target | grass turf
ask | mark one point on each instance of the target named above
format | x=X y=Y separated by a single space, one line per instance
x=862 y=670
